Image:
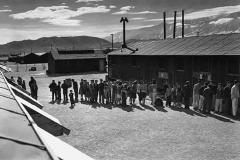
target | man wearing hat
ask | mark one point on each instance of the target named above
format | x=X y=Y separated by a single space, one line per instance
x=235 y=96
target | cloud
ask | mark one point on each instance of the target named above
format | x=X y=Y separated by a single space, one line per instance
x=59 y=15
x=126 y=10
x=213 y=12
x=112 y=6
x=86 y=1
x=5 y=10
x=138 y=18
x=221 y=21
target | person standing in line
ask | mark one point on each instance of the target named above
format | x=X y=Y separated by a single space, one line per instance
x=96 y=89
x=114 y=93
x=213 y=87
x=168 y=96
x=174 y=95
x=92 y=93
x=24 y=85
x=227 y=108
x=201 y=97
x=196 y=95
x=65 y=91
x=139 y=92
x=219 y=98
x=179 y=96
x=207 y=104
x=81 y=89
x=154 y=91
x=59 y=92
x=71 y=98
x=33 y=88
x=235 y=96
x=88 y=92
x=143 y=92
x=101 y=92
x=133 y=92
x=187 y=94
x=75 y=89
x=53 y=89
x=119 y=88
x=124 y=95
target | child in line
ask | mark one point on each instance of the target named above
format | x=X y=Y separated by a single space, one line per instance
x=71 y=98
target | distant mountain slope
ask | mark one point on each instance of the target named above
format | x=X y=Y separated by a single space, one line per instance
x=44 y=44
x=203 y=26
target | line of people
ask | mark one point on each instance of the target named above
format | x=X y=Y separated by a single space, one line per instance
x=220 y=99
x=103 y=92
x=206 y=96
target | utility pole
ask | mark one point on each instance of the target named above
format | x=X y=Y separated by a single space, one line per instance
x=112 y=41
x=164 y=25
x=124 y=20
x=174 y=24
x=182 y=23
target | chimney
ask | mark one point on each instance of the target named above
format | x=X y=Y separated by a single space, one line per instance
x=174 y=24
x=182 y=23
x=124 y=20
x=164 y=25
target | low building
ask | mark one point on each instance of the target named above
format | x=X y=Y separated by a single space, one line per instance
x=76 y=61
x=31 y=58
x=213 y=57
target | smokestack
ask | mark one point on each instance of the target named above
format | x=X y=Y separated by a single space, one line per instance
x=164 y=25
x=182 y=23
x=174 y=24
x=124 y=20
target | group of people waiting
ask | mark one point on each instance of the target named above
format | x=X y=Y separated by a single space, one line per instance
x=206 y=96
x=32 y=85
x=103 y=92
x=218 y=98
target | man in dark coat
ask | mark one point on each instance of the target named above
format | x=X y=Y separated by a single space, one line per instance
x=101 y=91
x=53 y=89
x=65 y=91
x=92 y=91
x=59 y=92
x=82 y=90
x=227 y=102
x=207 y=103
x=75 y=88
x=33 y=88
x=187 y=94
x=96 y=88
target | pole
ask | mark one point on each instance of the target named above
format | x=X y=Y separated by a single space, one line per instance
x=174 y=24
x=164 y=25
x=182 y=23
x=112 y=41
x=124 y=20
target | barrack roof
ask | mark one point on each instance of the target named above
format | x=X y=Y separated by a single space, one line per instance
x=224 y=44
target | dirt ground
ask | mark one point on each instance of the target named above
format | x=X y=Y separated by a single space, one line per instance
x=141 y=132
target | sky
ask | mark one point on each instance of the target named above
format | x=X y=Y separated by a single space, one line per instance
x=33 y=19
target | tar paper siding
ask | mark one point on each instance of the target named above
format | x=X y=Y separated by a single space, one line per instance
x=178 y=68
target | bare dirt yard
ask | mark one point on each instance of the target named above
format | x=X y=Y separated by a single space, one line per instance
x=141 y=132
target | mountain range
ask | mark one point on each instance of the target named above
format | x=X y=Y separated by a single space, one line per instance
x=45 y=44
x=195 y=27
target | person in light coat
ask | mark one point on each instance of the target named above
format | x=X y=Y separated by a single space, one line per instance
x=235 y=97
